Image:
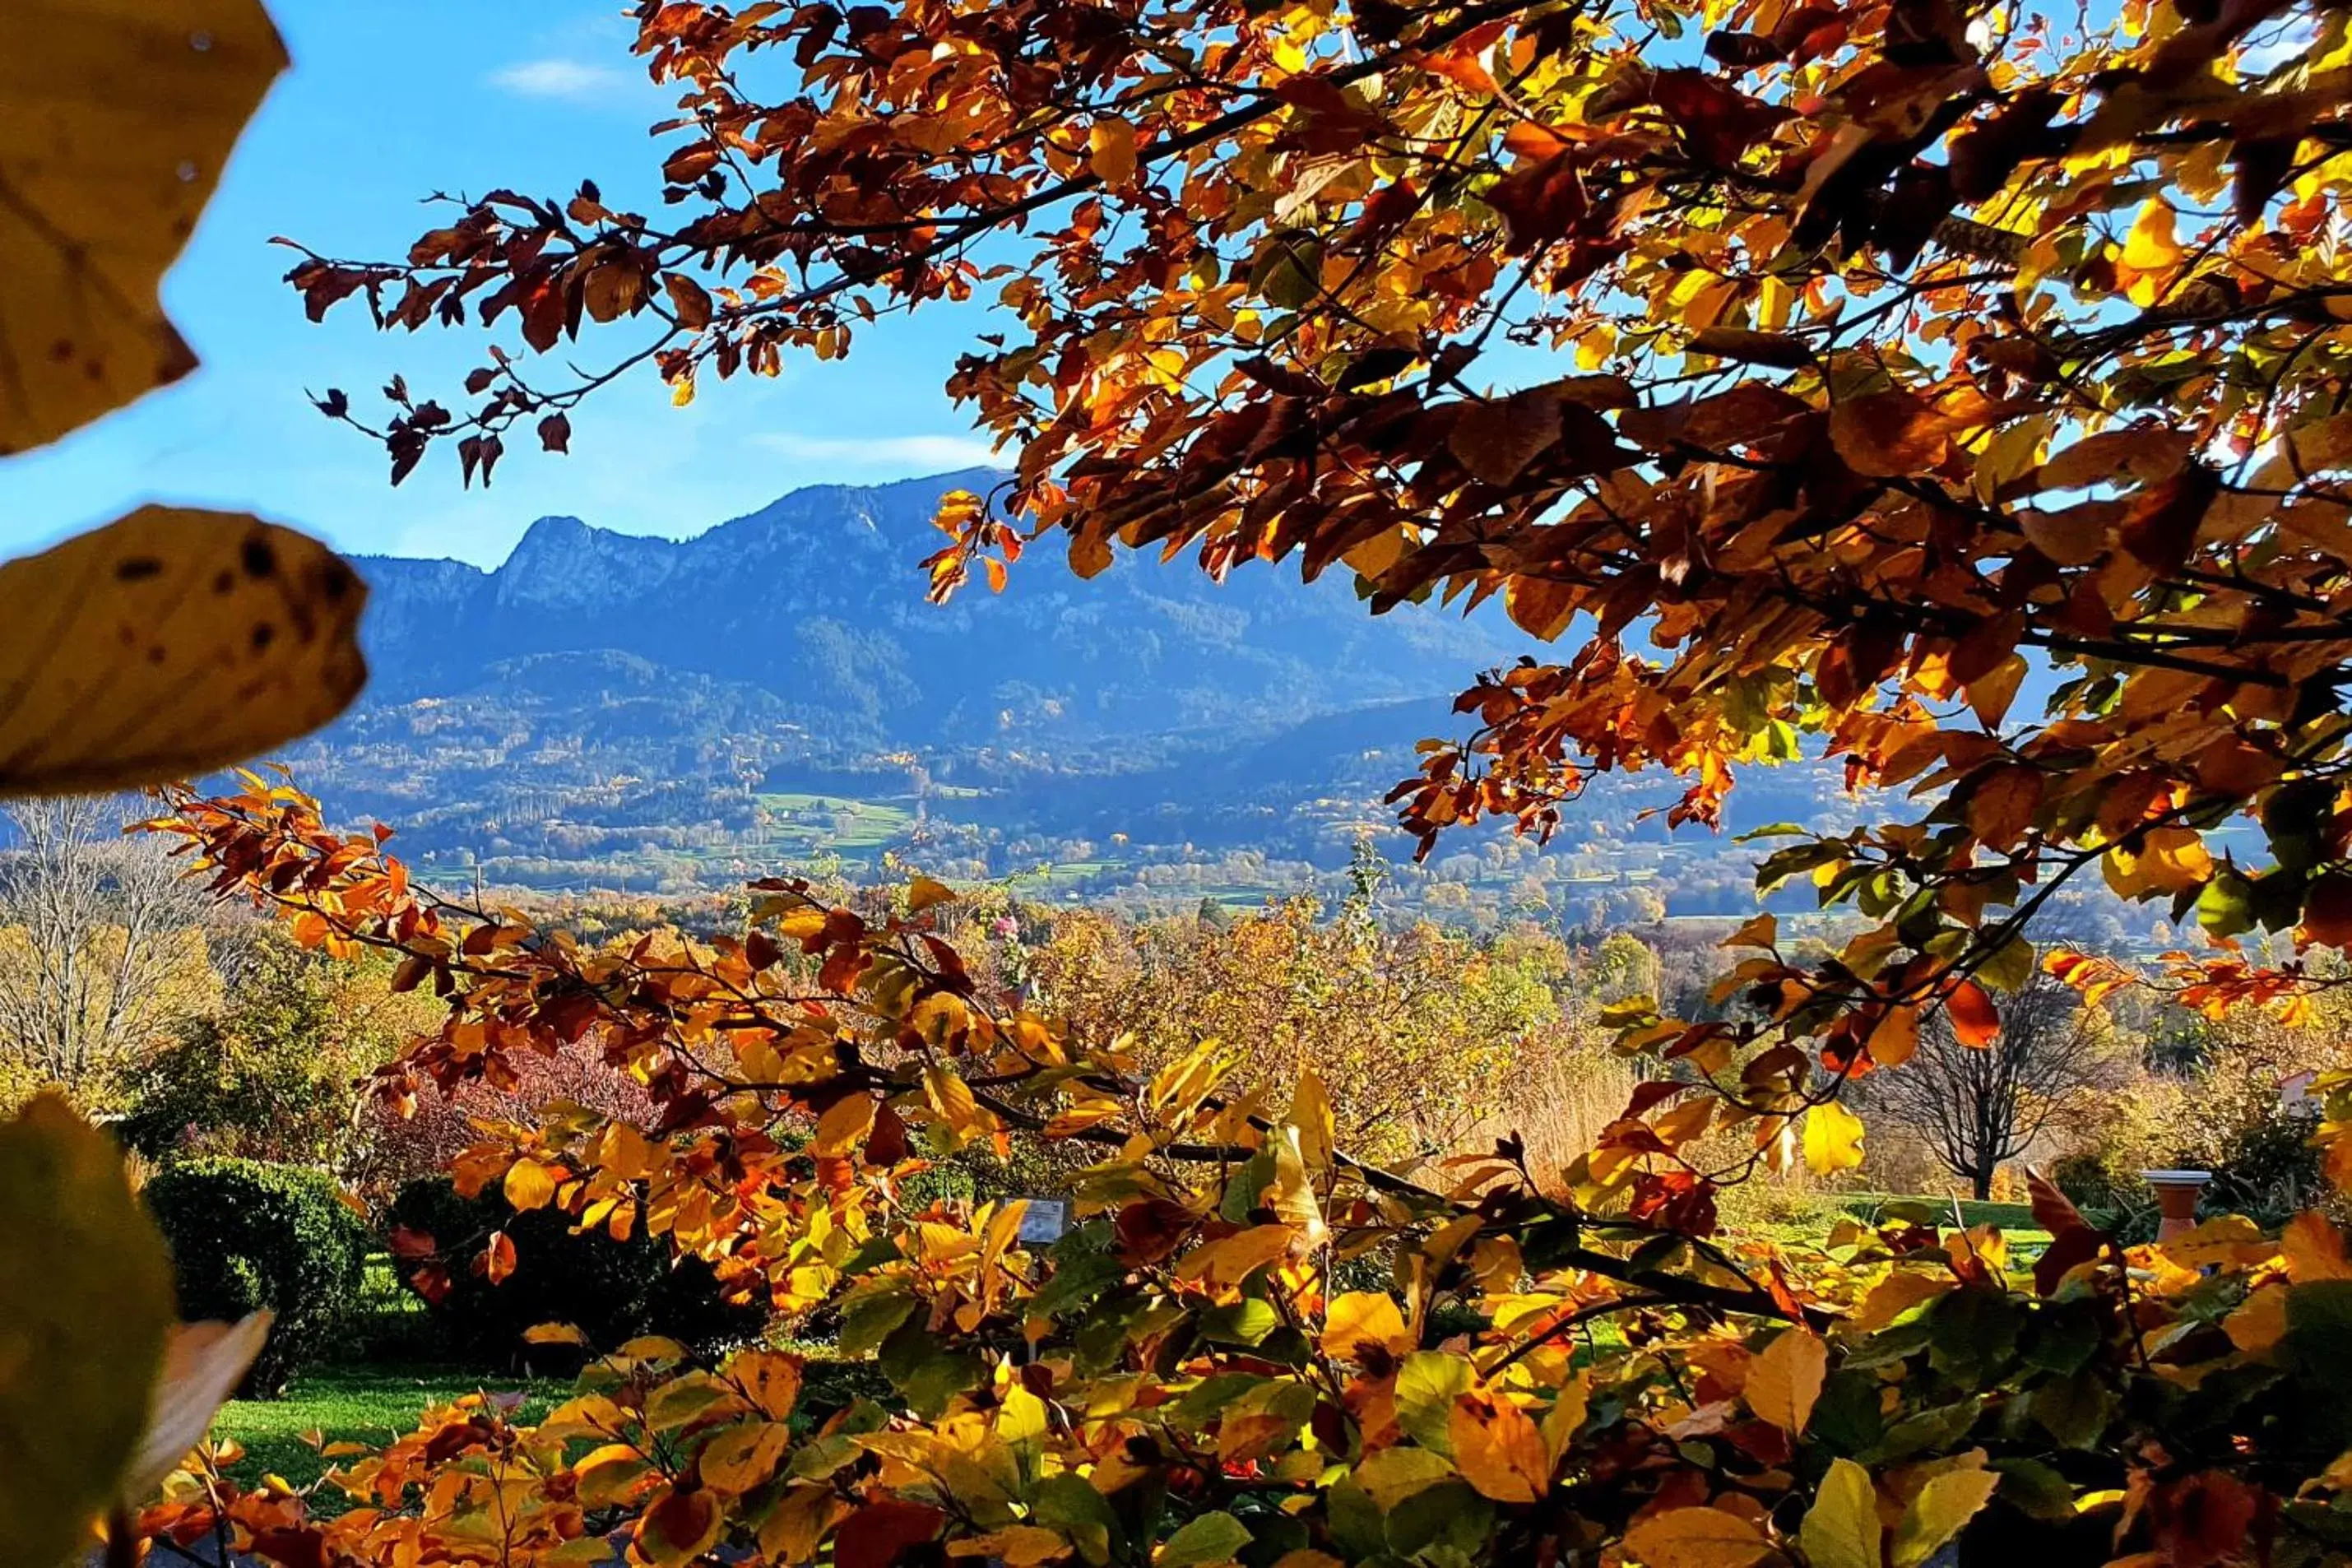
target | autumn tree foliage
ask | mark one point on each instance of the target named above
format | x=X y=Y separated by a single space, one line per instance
x=1954 y=389
x=1253 y=1346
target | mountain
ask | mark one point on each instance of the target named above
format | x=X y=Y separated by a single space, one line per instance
x=602 y=697
x=817 y=600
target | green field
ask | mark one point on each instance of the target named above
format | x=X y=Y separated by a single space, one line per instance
x=357 y=1403
x=832 y=822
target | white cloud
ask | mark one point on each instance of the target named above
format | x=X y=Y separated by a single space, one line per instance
x=559 y=79
x=906 y=454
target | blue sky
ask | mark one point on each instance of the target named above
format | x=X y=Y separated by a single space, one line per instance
x=386 y=103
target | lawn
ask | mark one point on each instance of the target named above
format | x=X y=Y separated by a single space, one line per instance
x=360 y=1404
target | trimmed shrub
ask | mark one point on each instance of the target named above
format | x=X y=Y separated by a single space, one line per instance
x=611 y=1290
x=246 y=1235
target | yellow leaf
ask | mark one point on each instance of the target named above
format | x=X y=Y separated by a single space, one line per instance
x=950 y=1097
x=2314 y=1248
x=1842 y=1529
x=1310 y=1112
x=771 y=1378
x=1697 y=1538
x=1566 y=1416
x=1784 y=1382
x=2258 y=1322
x=1944 y=1505
x=1291 y=1194
x=554 y=1334
x=119 y=123
x=744 y=1456
x=1392 y=1475
x=1361 y=1318
x=1833 y=1138
x=166 y=644
x=529 y=1185
x=1112 y=151
x=610 y=1474
x=86 y=1296
x=795 y=1526
x=1498 y=1449
x=1015 y=1546
x=923 y=893
x=843 y=1126
x=2150 y=246
x=1895 y=1295
x=1231 y=1260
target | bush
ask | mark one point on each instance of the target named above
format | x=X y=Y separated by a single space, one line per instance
x=244 y=1235
x=611 y=1290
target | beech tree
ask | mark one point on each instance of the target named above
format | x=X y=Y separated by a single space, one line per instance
x=1945 y=387
x=1818 y=378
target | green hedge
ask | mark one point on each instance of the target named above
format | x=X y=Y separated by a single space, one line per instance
x=246 y=1235
x=611 y=1290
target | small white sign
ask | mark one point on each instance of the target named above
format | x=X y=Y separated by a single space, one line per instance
x=1044 y=1220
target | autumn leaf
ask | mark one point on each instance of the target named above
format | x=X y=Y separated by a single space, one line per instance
x=678 y=1527
x=1841 y=1528
x=743 y=1457
x=1499 y=1449
x=1786 y=1379
x=2327 y=910
x=169 y=643
x=877 y=1533
x=1943 y=1506
x=1894 y=1038
x=1497 y=439
x=1697 y=1538
x=528 y=1185
x=1888 y=434
x=1362 y=1318
x=1540 y=608
x=118 y=126
x=1832 y=1137
x=1112 y=151
x=85 y=1293
x=1974 y=1020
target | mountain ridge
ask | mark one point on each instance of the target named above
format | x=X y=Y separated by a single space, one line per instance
x=817 y=598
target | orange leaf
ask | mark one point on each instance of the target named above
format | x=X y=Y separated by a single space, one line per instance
x=1697 y=1538
x=1889 y=434
x=1975 y=1022
x=1498 y=1449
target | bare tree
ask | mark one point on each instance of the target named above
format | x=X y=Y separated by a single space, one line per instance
x=102 y=945
x=1976 y=1106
